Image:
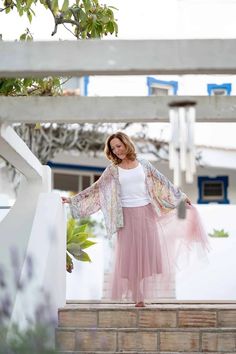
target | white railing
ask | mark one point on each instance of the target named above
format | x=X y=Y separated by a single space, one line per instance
x=35 y=228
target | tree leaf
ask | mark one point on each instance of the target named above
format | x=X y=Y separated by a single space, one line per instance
x=115 y=27
x=20 y=11
x=32 y=11
x=113 y=7
x=105 y=19
x=29 y=3
x=55 y=6
x=110 y=27
x=29 y=15
x=87 y=5
x=65 y=6
x=23 y=37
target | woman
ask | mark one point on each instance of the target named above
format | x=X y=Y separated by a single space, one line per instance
x=139 y=204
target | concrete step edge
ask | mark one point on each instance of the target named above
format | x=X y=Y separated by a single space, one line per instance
x=144 y=329
x=169 y=307
x=136 y=352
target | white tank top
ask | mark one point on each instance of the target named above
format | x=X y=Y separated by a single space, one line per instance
x=133 y=188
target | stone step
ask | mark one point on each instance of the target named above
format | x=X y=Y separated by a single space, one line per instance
x=158 y=328
x=123 y=339
x=156 y=316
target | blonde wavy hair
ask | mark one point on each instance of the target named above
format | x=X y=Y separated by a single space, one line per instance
x=129 y=145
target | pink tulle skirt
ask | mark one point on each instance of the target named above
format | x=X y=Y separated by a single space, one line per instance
x=149 y=249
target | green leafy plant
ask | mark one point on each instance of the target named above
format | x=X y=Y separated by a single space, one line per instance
x=77 y=240
x=50 y=86
x=85 y=18
x=219 y=233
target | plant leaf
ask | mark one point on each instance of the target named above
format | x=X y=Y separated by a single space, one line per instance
x=74 y=249
x=84 y=257
x=87 y=244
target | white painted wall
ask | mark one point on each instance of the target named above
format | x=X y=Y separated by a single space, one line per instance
x=137 y=86
x=212 y=280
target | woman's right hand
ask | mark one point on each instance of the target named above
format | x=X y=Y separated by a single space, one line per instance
x=65 y=200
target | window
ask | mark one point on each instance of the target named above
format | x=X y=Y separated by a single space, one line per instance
x=213 y=190
x=85 y=181
x=74 y=178
x=65 y=182
x=77 y=84
x=161 y=88
x=73 y=182
x=73 y=83
x=219 y=90
x=159 y=91
x=96 y=177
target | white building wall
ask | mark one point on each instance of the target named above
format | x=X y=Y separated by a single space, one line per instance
x=136 y=85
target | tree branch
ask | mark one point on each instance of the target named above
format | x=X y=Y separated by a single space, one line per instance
x=59 y=20
x=10 y=5
x=68 y=30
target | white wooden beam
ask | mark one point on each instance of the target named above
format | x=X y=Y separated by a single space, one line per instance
x=111 y=109
x=118 y=57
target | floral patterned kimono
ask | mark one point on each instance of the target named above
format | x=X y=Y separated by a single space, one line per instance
x=105 y=195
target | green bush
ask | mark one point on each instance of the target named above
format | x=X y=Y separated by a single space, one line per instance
x=219 y=233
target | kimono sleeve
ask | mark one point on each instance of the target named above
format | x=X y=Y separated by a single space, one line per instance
x=167 y=192
x=86 y=202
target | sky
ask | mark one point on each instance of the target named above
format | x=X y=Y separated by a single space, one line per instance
x=149 y=19
x=153 y=19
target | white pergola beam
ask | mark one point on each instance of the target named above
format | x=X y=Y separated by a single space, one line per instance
x=14 y=150
x=118 y=57
x=111 y=109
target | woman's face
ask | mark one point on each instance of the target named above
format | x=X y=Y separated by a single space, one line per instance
x=118 y=148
